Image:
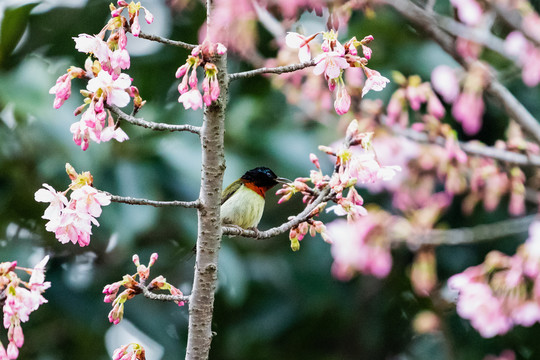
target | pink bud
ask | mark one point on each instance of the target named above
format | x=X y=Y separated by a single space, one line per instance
x=214 y=89
x=18 y=336
x=193 y=81
x=313 y=158
x=136 y=260
x=148 y=16
x=153 y=259
x=367 y=52
x=221 y=49
x=182 y=70
x=135 y=27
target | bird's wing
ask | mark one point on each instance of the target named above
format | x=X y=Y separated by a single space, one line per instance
x=227 y=193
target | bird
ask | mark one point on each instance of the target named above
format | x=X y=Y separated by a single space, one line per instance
x=242 y=202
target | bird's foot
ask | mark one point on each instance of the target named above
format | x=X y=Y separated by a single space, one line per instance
x=254 y=229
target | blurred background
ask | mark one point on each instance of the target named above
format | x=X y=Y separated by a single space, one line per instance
x=271 y=303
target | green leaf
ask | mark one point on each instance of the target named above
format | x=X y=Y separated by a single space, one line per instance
x=12 y=29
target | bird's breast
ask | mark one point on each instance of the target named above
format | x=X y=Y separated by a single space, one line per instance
x=244 y=208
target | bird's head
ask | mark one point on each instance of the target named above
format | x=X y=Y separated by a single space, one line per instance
x=262 y=179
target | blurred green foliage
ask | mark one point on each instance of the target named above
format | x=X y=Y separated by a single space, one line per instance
x=271 y=303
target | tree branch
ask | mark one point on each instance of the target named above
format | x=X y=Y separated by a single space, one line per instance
x=161 y=297
x=275 y=70
x=152 y=125
x=472 y=148
x=154 y=203
x=324 y=196
x=474 y=234
x=201 y=305
x=166 y=41
x=429 y=25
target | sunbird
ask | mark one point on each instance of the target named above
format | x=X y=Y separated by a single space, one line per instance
x=242 y=202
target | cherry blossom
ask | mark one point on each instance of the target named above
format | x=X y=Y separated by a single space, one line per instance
x=300 y=42
x=375 y=81
x=330 y=63
x=20 y=300
x=114 y=90
x=71 y=221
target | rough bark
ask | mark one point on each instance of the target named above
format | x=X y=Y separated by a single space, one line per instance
x=201 y=304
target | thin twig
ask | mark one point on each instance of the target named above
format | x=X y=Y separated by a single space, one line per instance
x=474 y=234
x=153 y=125
x=472 y=148
x=275 y=70
x=167 y=41
x=154 y=203
x=161 y=297
x=306 y=214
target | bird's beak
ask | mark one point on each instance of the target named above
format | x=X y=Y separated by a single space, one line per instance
x=283 y=180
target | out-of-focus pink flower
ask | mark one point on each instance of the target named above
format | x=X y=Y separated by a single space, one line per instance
x=357 y=248
x=114 y=90
x=330 y=63
x=505 y=355
x=468 y=110
x=375 y=81
x=445 y=82
x=469 y=11
x=527 y=55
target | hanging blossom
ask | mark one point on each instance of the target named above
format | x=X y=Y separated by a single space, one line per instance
x=133 y=11
x=503 y=291
x=352 y=167
x=131 y=351
x=107 y=84
x=334 y=59
x=71 y=221
x=190 y=96
x=134 y=287
x=18 y=300
x=468 y=105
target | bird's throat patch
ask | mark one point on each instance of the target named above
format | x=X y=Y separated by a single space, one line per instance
x=259 y=190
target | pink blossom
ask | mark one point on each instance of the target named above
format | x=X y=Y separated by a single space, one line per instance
x=62 y=90
x=56 y=199
x=468 y=110
x=343 y=100
x=191 y=99
x=375 y=81
x=93 y=45
x=444 y=81
x=114 y=90
x=355 y=249
x=469 y=11
x=89 y=200
x=300 y=42
x=330 y=63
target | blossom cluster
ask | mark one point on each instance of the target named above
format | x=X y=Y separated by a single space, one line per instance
x=18 y=300
x=356 y=163
x=134 y=287
x=503 y=291
x=190 y=96
x=131 y=351
x=107 y=84
x=335 y=59
x=71 y=221
x=412 y=92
